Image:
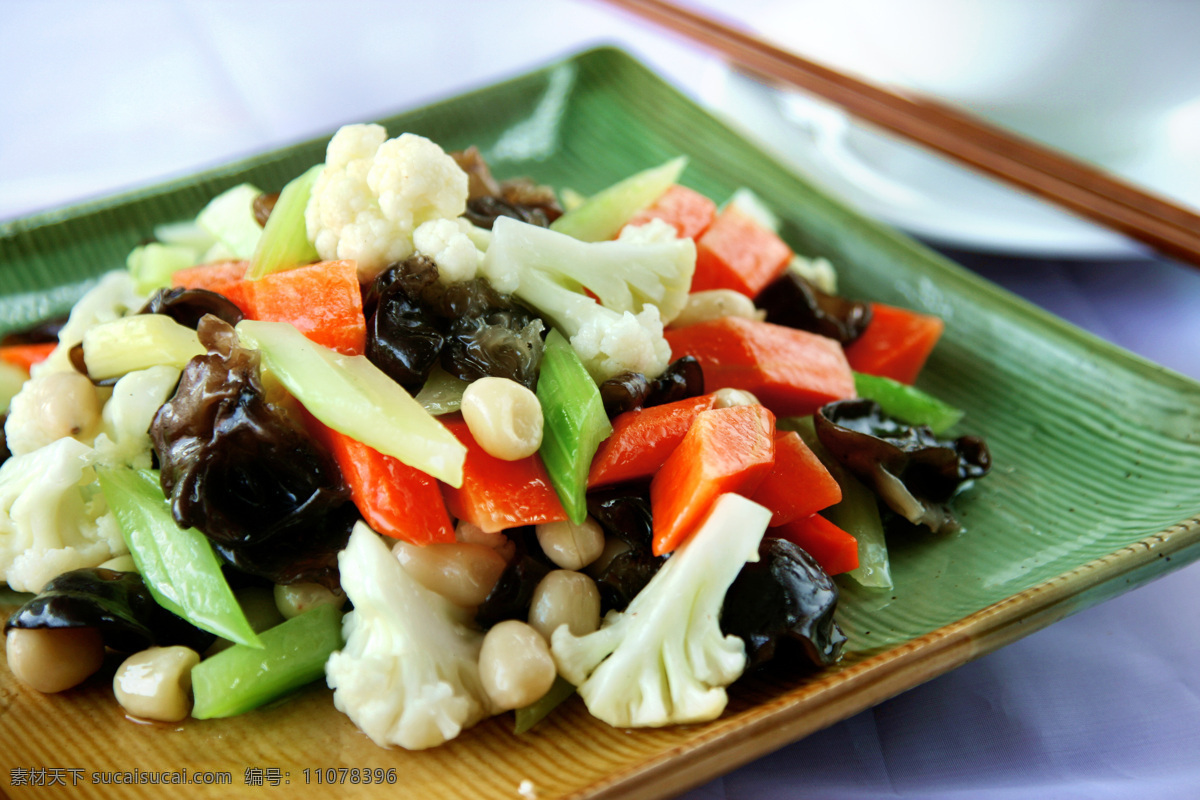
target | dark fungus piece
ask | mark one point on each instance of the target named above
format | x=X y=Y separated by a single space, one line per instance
x=45 y=332
x=501 y=343
x=512 y=595
x=682 y=379
x=237 y=467
x=403 y=339
x=793 y=301
x=624 y=392
x=187 y=306
x=785 y=596
x=624 y=514
x=117 y=604
x=5 y=453
x=913 y=472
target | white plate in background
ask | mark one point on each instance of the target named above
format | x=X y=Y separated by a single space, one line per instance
x=932 y=197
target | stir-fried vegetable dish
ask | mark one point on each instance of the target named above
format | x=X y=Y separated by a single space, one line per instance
x=456 y=450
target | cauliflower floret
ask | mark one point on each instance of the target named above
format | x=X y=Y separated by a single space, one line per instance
x=409 y=673
x=114 y=296
x=628 y=343
x=664 y=660
x=374 y=192
x=448 y=243
x=51 y=405
x=53 y=517
x=655 y=231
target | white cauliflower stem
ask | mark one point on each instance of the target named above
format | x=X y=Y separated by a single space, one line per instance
x=664 y=660
x=374 y=192
x=409 y=674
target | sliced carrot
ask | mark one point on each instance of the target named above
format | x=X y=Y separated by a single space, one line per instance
x=725 y=450
x=798 y=485
x=687 y=211
x=497 y=494
x=834 y=549
x=642 y=440
x=323 y=301
x=395 y=499
x=222 y=277
x=26 y=355
x=791 y=372
x=895 y=344
x=737 y=252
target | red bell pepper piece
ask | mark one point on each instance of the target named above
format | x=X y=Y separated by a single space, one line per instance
x=725 y=450
x=798 y=485
x=497 y=494
x=223 y=277
x=642 y=440
x=323 y=301
x=395 y=499
x=26 y=355
x=834 y=549
x=791 y=372
x=687 y=211
x=737 y=252
x=895 y=344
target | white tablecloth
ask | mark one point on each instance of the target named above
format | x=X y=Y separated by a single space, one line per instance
x=101 y=95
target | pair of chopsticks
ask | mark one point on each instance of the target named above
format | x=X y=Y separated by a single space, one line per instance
x=1071 y=184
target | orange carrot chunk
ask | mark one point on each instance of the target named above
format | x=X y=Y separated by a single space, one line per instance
x=725 y=450
x=791 y=372
x=798 y=485
x=395 y=499
x=323 y=301
x=642 y=440
x=497 y=494
x=222 y=277
x=834 y=549
x=687 y=211
x=737 y=252
x=895 y=344
x=26 y=355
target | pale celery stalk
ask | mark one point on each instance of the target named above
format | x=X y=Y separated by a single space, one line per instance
x=124 y=345
x=352 y=396
x=442 y=392
x=602 y=215
x=12 y=378
x=152 y=265
x=229 y=218
x=284 y=242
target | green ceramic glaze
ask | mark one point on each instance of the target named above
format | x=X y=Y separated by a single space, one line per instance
x=1095 y=449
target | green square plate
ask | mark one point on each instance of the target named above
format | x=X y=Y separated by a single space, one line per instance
x=1096 y=487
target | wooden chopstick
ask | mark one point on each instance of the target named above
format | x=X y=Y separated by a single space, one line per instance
x=1078 y=187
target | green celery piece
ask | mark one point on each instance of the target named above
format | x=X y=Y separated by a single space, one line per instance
x=12 y=378
x=293 y=654
x=178 y=564
x=535 y=712
x=153 y=264
x=575 y=423
x=127 y=344
x=354 y=397
x=284 y=242
x=601 y=216
x=907 y=403
x=857 y=513
x=442 y=392
x=229 y=218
